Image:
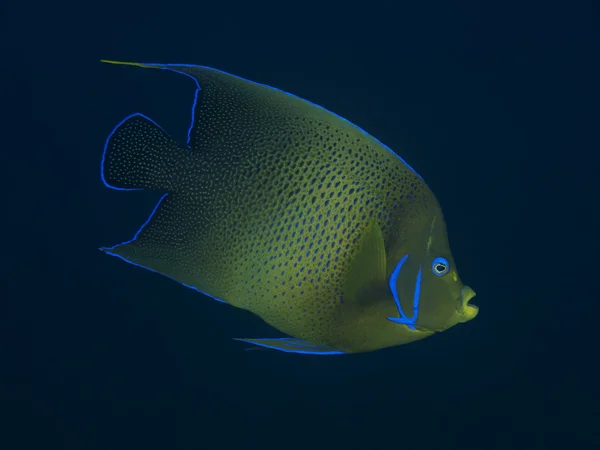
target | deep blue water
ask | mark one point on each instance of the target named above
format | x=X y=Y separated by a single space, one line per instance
x=495 y=106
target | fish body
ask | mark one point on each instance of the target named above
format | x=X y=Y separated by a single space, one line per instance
x=282 y=208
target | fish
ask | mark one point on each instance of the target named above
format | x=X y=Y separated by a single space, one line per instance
x=279 y=207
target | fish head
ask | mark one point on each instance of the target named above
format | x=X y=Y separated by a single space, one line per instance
x=425 y=284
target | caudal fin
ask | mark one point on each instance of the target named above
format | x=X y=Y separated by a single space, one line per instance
x=139 y=154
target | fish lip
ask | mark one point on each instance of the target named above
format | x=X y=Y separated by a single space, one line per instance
x=466 y=295
x=466 y=309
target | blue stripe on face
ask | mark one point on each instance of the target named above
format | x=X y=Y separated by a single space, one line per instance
x=417 y=294
x=392 y=284
x=403 y=319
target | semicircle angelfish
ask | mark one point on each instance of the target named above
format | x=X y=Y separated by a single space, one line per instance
x=282 y=208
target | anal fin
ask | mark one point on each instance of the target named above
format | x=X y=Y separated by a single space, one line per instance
x=293 y=345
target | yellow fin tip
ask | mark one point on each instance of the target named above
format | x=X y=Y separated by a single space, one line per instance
x=123 y=63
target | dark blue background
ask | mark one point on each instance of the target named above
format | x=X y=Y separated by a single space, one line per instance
x=495 y=106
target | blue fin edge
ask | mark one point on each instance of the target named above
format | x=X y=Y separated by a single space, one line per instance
x=292 y=342
x=108 y=251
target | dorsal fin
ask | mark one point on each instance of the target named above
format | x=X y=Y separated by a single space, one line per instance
x=230 y=114
x=226 y=105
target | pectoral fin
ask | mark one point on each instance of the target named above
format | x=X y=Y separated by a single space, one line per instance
x=293 y=345
x=367 y=268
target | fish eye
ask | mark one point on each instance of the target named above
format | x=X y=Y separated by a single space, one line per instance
x=440 y=266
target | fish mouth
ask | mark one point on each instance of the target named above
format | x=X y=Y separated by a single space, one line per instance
x=466 y=310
